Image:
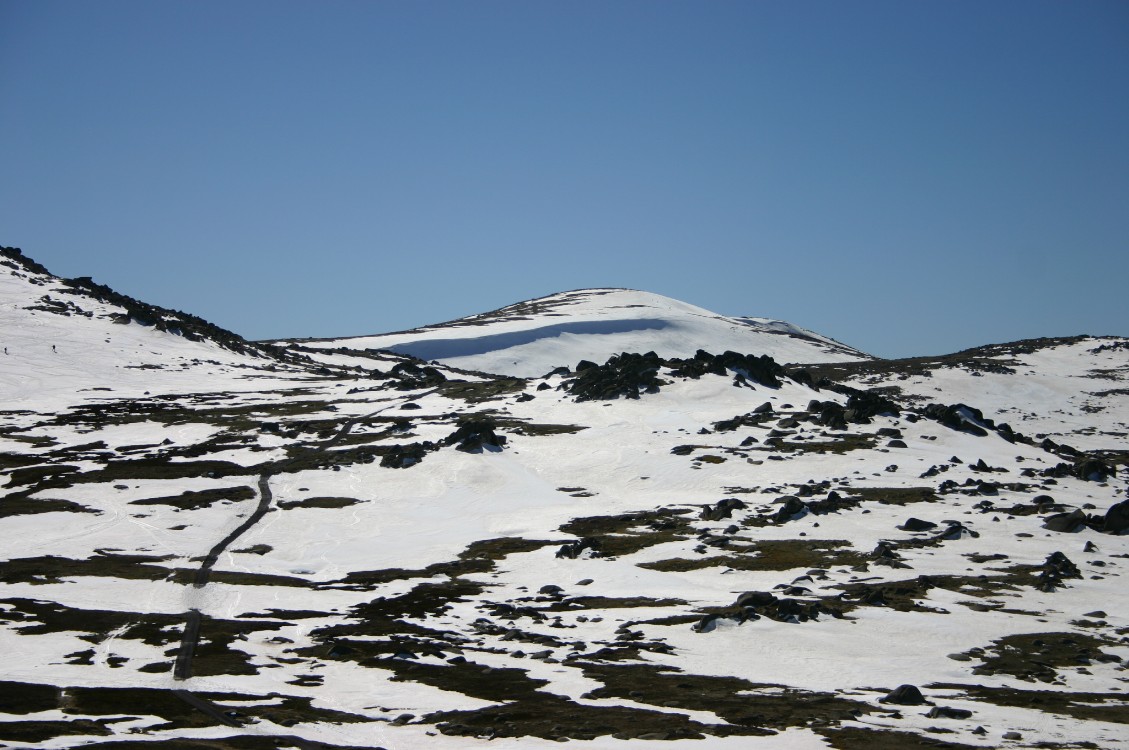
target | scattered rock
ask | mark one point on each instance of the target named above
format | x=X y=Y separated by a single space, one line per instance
x=723 y=510
x=1055 y=569
x=404 y=456
x=586 y=547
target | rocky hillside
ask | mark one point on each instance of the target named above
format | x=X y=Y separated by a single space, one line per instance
x=703 y=549
x=65 y=338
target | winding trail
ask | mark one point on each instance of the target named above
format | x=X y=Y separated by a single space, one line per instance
x=190 y=638
x=205 y=571
x=182 y=669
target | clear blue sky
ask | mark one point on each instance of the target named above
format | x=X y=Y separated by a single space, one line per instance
x=907 y=177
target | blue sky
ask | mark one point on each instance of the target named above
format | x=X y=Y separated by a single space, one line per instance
x=909 y=178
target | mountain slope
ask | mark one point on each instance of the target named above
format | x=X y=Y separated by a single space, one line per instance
x=70 y=340
x=1066 y=389
x=711 y=551
x=530 y=338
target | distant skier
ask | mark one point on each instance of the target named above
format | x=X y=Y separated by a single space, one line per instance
x=53 y=348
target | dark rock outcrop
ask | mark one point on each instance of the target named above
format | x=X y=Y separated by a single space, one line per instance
x=412 y=376
x=1116 y=520
x=574 y=550
x=723 y=510
x=960 y=417
x=946 y=712
x=476 y=435
x=904 y=695
x=628 y=375
x=1056 y=568
x=1068 y=523
x=916 y=524
x=748 y=367
x=403 y=456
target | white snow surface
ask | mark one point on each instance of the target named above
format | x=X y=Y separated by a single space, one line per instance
x=531 y=338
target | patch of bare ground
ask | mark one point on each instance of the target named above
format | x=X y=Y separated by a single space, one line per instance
x=770 y=554
x=738 y=701
x=630 y=532
x=22 y=698
x=860 y=738
x=1106 y=707
x=1038 y=656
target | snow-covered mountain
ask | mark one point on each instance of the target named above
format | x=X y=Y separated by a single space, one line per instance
x=531 y=338
x=210 y=543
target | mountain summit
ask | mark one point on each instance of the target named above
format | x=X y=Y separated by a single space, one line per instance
x=530 y=338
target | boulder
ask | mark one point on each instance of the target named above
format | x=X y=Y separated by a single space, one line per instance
x=1116 y=519
x=1093 y=470
x=916 y=524
x=1068 y=523
x=945 y=712
x=957 y=530
x=904 y=695
x=958 y=417
x=833 y=416
x=755 y=599
x=708 y=623
x=863 y=405
x=791 y=508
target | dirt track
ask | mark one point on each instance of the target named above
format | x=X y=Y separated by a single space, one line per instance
x=182 y=668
